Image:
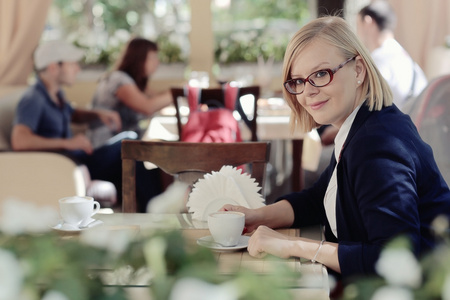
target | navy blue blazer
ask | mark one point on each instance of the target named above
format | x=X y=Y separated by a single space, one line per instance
x=388 y=185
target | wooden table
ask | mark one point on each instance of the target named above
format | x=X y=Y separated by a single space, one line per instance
x=313 y=283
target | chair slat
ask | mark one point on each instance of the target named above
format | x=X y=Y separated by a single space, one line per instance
x=179 y=157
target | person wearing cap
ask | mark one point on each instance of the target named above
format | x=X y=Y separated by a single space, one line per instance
x=43 y=114
x=43 y=117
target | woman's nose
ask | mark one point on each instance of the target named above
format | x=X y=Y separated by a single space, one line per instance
x=310 y=89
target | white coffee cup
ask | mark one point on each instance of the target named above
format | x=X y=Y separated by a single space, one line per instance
x=74 y=210
x=226 y=227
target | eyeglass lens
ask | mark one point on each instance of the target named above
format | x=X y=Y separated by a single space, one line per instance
x=318 y=79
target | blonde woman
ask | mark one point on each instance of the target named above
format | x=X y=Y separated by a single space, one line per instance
x=382 y=180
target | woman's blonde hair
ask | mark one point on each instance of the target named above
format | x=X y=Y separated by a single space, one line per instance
x=336 y=32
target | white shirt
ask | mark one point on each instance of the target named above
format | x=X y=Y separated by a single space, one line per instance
x=397 y=67
x=329 y=200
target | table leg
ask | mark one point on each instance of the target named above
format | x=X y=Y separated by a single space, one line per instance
x=297 y=171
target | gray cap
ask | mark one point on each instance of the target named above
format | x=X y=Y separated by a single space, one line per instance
x=56 y=51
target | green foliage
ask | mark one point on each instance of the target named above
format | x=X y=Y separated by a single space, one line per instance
x=254 y=28
x=56 y=264
x=71 y=266
x=229 y=50
x=243 y=32
x=434 y=273
x=168 y=52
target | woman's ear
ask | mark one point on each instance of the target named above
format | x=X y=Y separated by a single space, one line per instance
x=360 y=69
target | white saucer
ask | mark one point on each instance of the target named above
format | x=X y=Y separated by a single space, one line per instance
x=208 y=242
x=63 y=227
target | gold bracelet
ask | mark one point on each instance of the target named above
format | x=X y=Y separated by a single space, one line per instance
x=315 y=256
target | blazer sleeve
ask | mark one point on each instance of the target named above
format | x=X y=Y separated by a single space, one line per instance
x=308 y=204
x=378 y=199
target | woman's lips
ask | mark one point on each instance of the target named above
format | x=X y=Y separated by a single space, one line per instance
x=318 y=105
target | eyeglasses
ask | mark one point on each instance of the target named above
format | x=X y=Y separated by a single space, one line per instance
x=296 y=86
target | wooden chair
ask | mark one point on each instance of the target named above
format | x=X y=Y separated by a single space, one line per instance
x=189 y=161
x=430 y=112
x=216 y=96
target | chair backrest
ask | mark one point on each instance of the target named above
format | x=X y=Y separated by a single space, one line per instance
x=39 y=177
x=8 y=104
x=216 y=97
x=189 y=161
x=430 y=112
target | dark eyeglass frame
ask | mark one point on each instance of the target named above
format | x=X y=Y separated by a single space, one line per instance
x=330 y=72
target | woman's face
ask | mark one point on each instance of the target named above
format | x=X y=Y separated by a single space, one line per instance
x=151 y=63
x=333 y=103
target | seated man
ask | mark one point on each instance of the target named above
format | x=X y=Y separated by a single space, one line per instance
x=43 y=118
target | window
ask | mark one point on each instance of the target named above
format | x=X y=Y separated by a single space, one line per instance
x=243 y=29
x=246 y=30
x=102 y=27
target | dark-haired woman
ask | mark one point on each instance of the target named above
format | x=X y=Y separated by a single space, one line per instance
x=125 y=90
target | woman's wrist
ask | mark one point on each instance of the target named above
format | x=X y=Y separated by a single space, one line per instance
x=314 y=259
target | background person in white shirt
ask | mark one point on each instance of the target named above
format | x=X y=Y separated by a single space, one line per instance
x=375 y=27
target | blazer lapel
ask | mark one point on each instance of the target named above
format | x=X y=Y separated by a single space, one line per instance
x=360 y=118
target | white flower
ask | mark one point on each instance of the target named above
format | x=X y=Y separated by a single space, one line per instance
x=196 y=289
x=392 y=293
x=440 y=225
x=115 y=241
x=26 y=217
x=126 y=275
x=54 y=295
x=11 y=276
x=399 y=267
x=446 y=288
x=171 y=201
x=154 y=252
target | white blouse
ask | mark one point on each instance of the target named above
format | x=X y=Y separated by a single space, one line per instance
x=330 y=196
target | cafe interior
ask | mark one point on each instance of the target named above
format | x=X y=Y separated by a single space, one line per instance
x=168 y=252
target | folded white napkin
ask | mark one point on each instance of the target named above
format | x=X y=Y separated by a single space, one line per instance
x=228 y=186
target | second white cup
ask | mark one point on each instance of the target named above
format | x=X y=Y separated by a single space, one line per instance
x=226 y=227
x=74 y=210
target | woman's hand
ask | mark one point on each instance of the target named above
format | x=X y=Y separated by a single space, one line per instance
x=277 y=215
x=267 y=241
x=252 y=217
x=111 y=119
x=79 y=142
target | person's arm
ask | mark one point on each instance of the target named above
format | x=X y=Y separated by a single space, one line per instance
x=131 y=96
x=24 y=139
x=380 y=181
x=108 y=117
x=276 y=215
x=267 y=241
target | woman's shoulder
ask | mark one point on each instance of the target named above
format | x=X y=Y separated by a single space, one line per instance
x=120 y=76
x=111 y=81
x=388 y=130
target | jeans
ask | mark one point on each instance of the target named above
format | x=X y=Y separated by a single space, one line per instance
x=105 y=163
